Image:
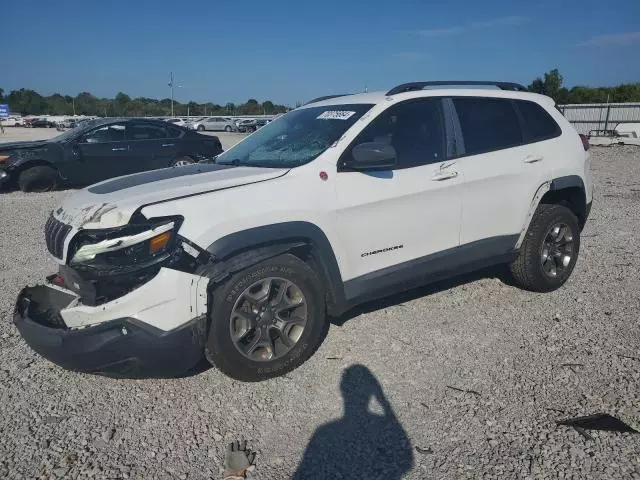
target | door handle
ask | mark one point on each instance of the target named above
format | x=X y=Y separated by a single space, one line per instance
x=168 y=144
x=120 y=149
x=439 y=176
x=532 y=158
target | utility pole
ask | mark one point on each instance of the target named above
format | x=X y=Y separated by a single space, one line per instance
x=73 y=102
x=171 y=86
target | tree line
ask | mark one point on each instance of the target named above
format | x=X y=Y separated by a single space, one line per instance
x=30 y=102
x=550 y=84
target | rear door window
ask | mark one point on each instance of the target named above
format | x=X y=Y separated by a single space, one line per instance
x=539 y=125
x=487 y=124
x=145 y=131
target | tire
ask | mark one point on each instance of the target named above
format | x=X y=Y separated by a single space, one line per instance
x=201 y=128
x=16 y=124
x=228 y=128
x=538 y=267
x=224 y=353
x=38 y=179
x=182 y=161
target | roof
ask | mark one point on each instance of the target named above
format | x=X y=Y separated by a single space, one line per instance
x=380 y=96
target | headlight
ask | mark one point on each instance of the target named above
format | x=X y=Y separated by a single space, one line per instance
x=124 y=249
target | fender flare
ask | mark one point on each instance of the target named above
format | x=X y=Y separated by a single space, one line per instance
x=559 y=183
x=245 y=248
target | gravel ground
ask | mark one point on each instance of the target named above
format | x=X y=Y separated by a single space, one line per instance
x=473 y=375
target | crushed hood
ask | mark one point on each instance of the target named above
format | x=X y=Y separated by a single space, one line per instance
x=112 y=203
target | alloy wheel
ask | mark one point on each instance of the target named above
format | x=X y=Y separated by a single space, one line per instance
x=268 y=319
x=557 y=250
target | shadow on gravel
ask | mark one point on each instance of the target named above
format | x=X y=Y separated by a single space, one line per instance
x=362 y=444
x=499 y=272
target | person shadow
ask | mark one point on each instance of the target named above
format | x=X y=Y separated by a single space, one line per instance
x=362 y=444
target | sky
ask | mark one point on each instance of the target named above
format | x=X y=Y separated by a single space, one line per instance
x=288 y=51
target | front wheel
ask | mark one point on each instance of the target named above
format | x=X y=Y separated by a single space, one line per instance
x=549 y=251
x=227 y=128
x=266 y=320
x=201 y=128
x=38 y=179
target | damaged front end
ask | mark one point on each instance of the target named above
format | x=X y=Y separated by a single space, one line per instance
x=126 y=302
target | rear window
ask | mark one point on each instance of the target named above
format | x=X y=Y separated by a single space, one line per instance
x=487 y=124
x=539 y=125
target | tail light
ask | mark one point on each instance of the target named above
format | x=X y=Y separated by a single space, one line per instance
x=585 y=142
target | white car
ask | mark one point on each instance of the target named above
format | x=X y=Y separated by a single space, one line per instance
x=177 y=121
x=215 y=124
x=337 y=202
x=13 y=121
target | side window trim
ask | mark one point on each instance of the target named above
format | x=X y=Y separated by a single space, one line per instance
x=526 y=132
x=455 y=140
x=443 y=117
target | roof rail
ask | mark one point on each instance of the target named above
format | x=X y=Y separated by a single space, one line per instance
x=327 y=97
x=413 y=86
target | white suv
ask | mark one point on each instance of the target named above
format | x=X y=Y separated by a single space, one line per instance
x=340 y=201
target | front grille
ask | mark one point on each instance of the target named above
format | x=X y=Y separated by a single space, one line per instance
x=55 y=233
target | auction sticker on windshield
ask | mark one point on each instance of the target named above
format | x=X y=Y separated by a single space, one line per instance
x=335 y=115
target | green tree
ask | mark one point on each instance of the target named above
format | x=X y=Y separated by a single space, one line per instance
x=268 y=107
x=550 y=86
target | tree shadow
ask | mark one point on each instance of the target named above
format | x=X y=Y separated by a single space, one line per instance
x=362 y=444
x=396 y=298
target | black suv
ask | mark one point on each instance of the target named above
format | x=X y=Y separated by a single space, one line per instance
x=100 y=149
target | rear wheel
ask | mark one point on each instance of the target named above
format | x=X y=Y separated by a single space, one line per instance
x=549 y=251
x=38 y=179
x=201 y=128
x=267 y=320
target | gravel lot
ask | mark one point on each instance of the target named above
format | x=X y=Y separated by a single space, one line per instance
x=474 y=374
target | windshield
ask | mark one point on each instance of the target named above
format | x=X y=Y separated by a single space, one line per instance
x=295 y=138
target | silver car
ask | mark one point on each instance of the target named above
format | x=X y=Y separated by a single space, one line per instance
x=219 y=124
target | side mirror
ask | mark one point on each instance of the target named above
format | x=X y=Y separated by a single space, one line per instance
x=373 y=155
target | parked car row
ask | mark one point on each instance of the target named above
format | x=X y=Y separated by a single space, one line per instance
x=220 y=124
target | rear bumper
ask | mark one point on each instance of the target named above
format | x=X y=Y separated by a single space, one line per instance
x=118 y=338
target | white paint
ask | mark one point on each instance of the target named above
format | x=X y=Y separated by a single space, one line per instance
x=168 y=300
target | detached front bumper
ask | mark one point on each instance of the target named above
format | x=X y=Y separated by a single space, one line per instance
x=118 y=338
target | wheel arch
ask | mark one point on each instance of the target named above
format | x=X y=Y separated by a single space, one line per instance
x=36 y=162
x=568 y=191
x=305 y=240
